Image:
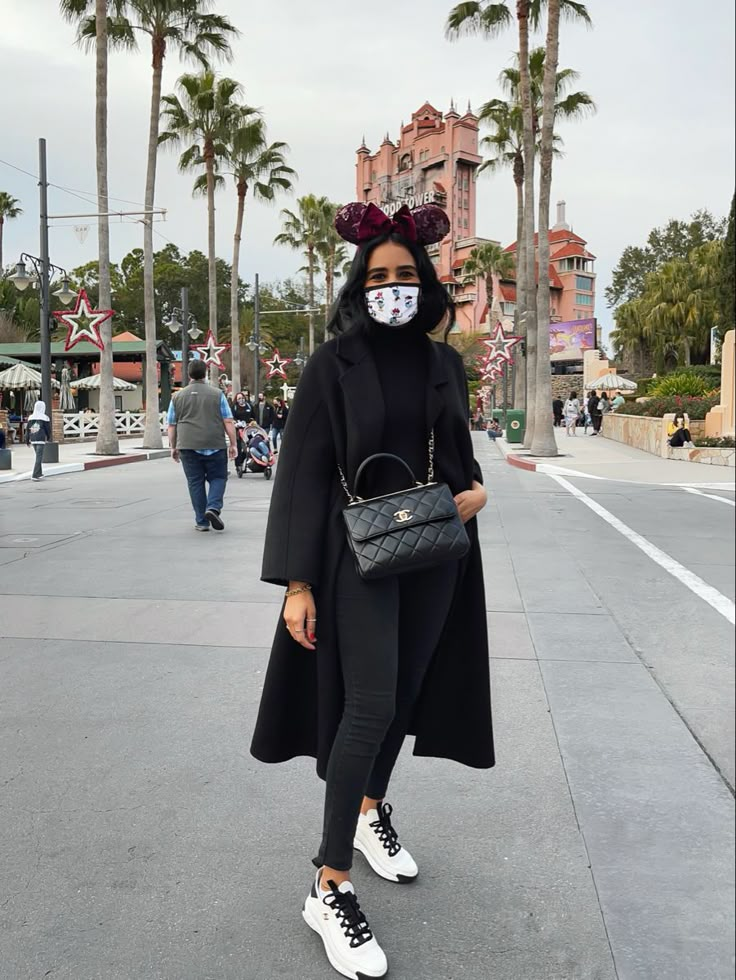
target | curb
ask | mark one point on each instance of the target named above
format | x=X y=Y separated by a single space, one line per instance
x=520 y=463
x=93 y=464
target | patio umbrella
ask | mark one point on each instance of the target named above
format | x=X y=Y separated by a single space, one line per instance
x=612 y=382
x=93 y=382
x=31 y=397
x=19 y=377
x=66 y=398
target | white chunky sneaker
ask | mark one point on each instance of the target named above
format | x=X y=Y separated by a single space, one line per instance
x=378 y=842
x=349 y=943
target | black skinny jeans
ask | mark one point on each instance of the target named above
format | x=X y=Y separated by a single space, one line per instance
x=387 y=633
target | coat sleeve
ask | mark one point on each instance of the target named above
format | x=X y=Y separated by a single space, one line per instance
x=305 y=478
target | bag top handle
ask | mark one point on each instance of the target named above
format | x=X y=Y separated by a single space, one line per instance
x=371 y=459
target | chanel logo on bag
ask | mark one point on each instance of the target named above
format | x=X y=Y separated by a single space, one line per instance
x=402 y=516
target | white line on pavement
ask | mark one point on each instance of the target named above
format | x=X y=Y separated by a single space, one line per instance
x=710 y=496
x=713 y=597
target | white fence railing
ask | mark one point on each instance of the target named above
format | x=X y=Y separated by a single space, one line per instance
x=85 y=425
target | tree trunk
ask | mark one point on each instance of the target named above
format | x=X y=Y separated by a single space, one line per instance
x=530 y=291
x=107 y=437
x=2 y=225
x=152 y=434
x=544 y=443
x=489 y=300
x=519 y=323
x=234 y=282
x=211 y=254
x=688 y=352
x=329 y=287
x=310 y=295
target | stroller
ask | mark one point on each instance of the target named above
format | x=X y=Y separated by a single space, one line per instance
x=255 y=453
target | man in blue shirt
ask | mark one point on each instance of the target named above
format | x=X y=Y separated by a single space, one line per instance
x=198 y=419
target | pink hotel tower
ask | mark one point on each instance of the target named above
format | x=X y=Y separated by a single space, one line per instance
x=436 y=160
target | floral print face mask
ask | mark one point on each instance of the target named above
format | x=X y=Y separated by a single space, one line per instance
x=394 y=304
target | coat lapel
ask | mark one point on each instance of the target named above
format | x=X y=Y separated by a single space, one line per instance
x=364 y=404
x=365 y=411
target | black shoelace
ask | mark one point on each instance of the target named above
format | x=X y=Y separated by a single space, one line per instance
x=349 y=915
x=385 y=830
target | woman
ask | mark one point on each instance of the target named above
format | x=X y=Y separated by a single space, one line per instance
x=280 y=415
x=357 y=665
x=571 y=412
x=38 y=433
x=604 y=405
x=678 y=433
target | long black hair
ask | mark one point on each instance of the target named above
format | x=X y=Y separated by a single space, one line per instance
x=435 y=303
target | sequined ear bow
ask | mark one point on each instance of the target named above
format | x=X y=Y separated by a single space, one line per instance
x=358 y=223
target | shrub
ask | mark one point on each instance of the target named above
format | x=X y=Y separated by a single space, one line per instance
x=696 y=408
x=717 y=442
x=710 y=373
x=681 y=383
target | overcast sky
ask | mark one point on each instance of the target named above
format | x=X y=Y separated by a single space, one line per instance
x=325 y=73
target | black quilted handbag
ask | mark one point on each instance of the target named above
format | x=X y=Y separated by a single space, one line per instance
x=405 y=531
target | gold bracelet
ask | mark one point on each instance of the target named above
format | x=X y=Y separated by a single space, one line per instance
x=304 y=588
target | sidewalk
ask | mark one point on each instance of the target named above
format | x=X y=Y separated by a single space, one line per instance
x=74 y=457
x=602 y=459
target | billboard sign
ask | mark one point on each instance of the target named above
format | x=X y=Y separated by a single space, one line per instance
x=569 y=339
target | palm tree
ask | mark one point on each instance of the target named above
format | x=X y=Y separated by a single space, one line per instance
x=259 y=166
x=97 y=28
x=486 y=261
x=489 y=19
x=629 y=338
x=331 y=252
x=187 y=27
x=303 y=230
x=8 y=210
x=201 y=117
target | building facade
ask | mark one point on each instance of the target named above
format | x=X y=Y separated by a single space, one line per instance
x=436 y=160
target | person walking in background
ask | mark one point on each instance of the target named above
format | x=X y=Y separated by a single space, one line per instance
x=280 y=415
x=38 y=433
x=263 y=413
x=198 y=418
x=571 y=412
x=594 y=410
x=585 y=412
x=242 y=408
x=557 y=410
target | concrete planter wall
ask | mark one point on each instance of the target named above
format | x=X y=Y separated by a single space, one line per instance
x=650 y=435
x=705 y=454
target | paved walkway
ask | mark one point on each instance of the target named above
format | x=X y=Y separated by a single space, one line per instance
x=597 y=457
x=140 y=841
x=73 y=457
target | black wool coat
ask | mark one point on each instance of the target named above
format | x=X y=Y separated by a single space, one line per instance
x=338 y=418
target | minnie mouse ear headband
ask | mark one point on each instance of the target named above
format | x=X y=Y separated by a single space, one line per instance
x=358 y=223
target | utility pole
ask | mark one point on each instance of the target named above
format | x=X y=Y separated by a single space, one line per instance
x=256 y=335
x=51 y=452
x=184 y=335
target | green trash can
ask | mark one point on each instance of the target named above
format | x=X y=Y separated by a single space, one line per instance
x=515 y=425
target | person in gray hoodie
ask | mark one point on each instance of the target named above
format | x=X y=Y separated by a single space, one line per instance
x=38 y=433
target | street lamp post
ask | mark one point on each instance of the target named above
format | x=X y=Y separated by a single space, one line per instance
x=180 y=319
x=257 y=346
x=43 y=270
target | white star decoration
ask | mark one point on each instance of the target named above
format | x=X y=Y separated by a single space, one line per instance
x=83 y=323
x=500 y=344
x=276 y=365
x=211 y=350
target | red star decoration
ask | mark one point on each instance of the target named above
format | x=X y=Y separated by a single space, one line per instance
x=83 y=323
x=276 y=365
x=211 y=350
x=500 y=344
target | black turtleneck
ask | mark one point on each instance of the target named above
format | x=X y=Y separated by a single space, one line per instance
x=401 y=357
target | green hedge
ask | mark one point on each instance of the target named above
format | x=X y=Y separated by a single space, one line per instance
x=717 y=442
x=696 y=408
x=680 y=383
